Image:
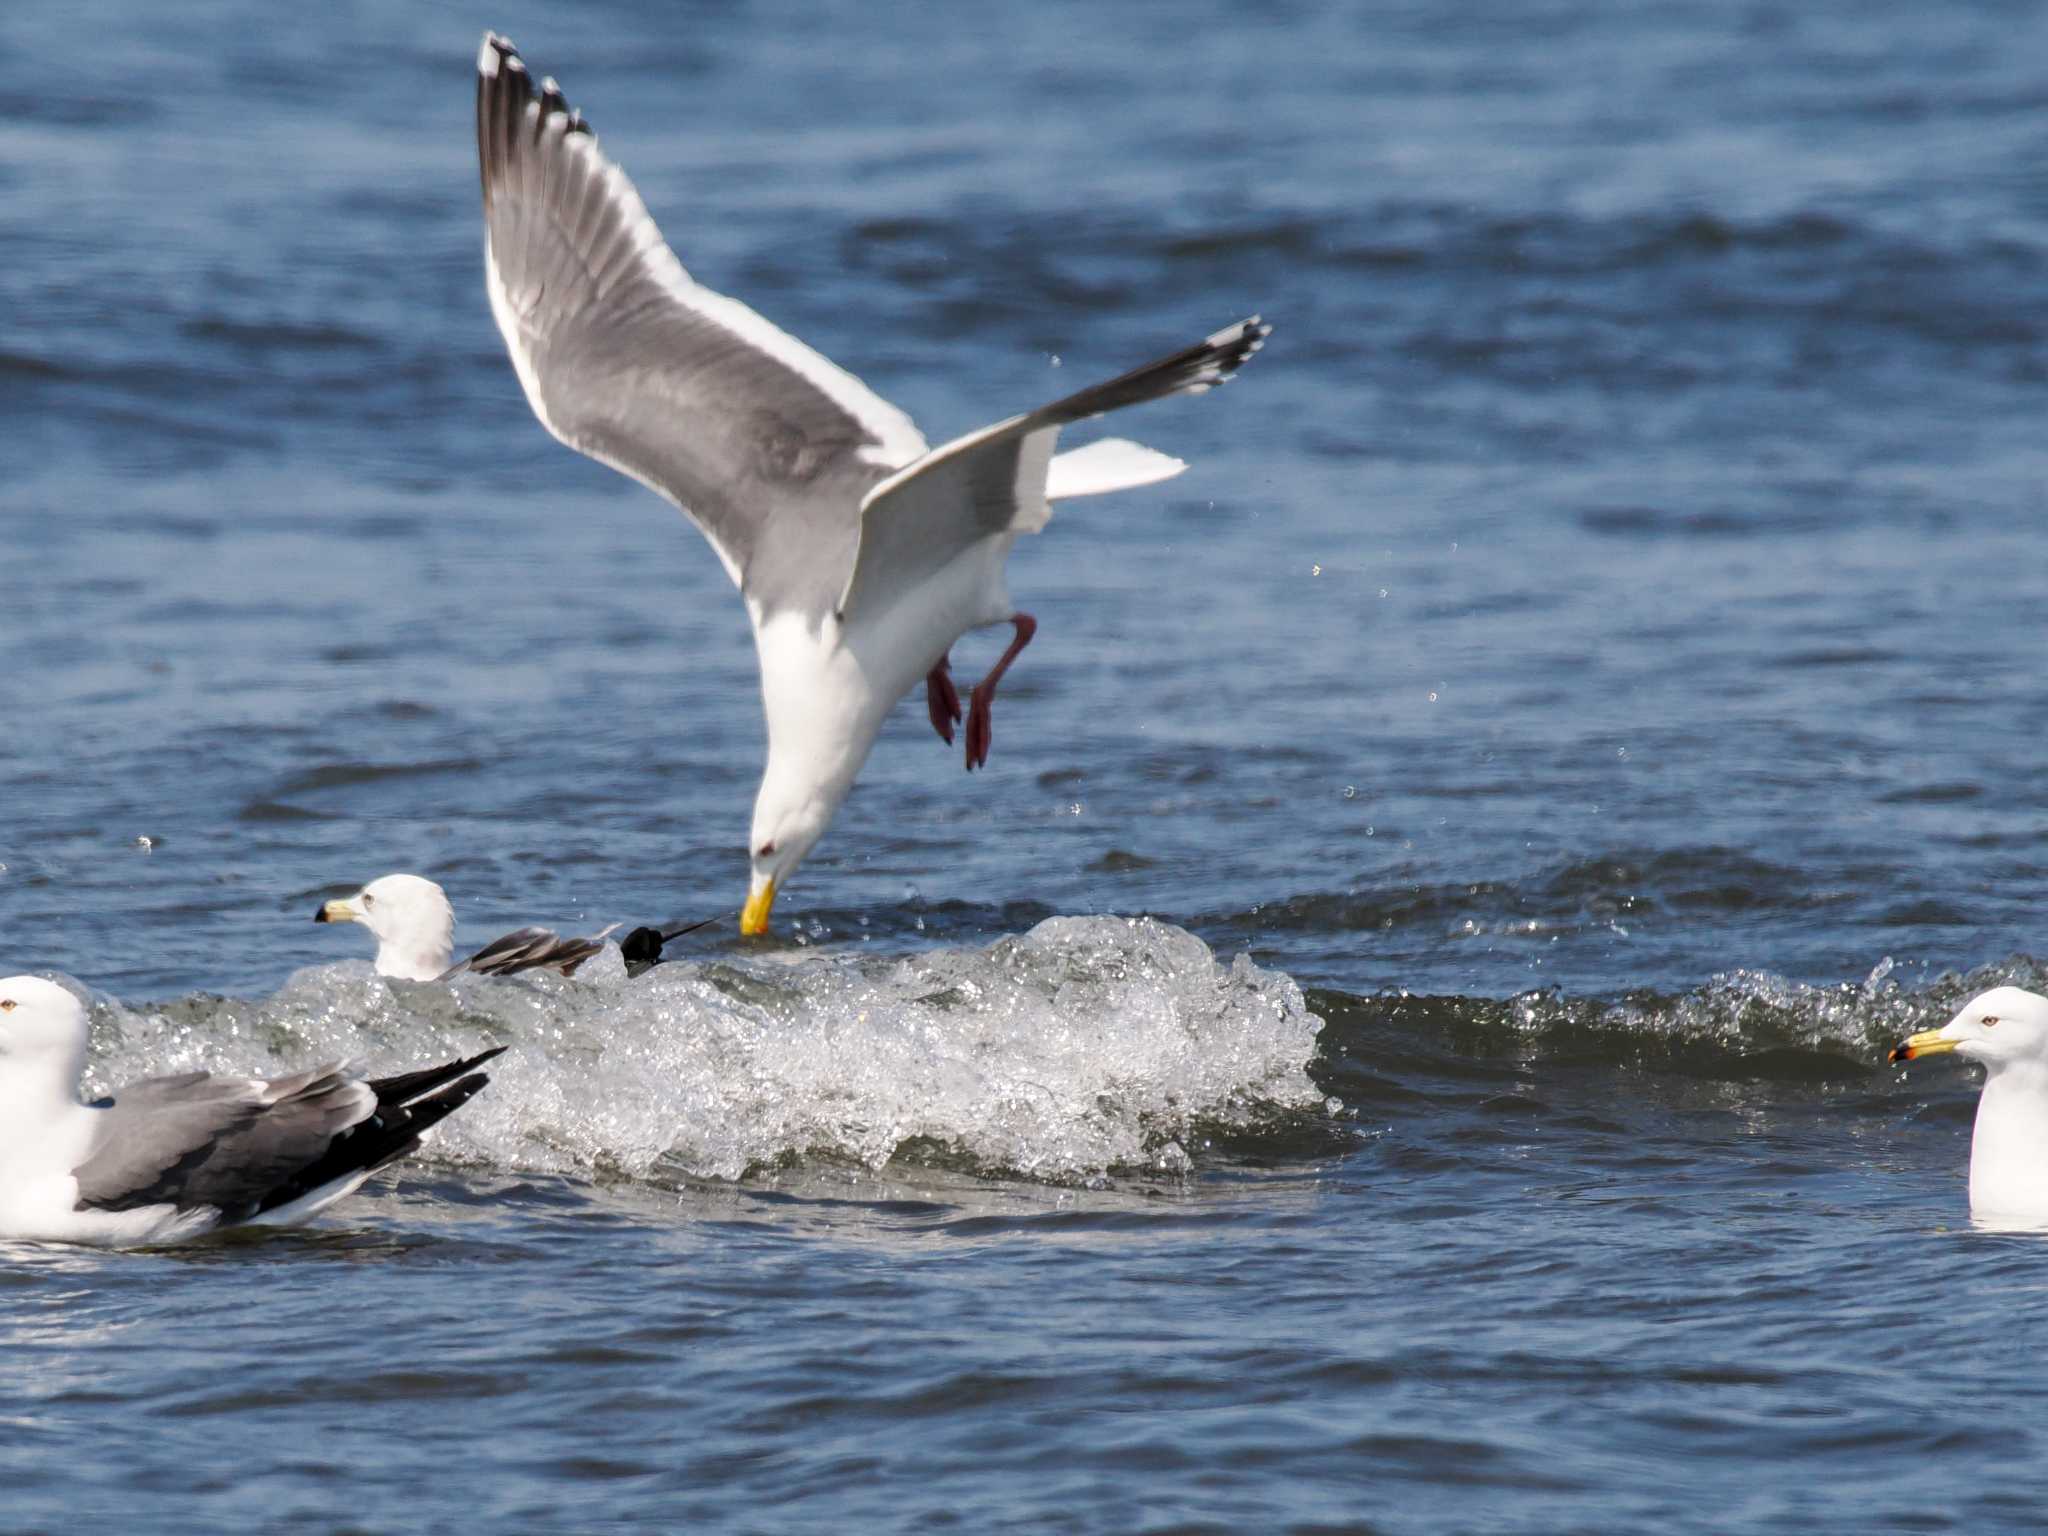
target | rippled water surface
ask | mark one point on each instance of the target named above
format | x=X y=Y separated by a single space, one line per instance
x=1394 y=1039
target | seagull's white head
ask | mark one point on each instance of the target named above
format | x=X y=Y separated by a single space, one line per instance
x=2004 y=1027
x=414 y=925
x=42 y=1028
x=789 y=818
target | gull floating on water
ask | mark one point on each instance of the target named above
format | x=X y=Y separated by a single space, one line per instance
x=169 y=1158
x=862 y=553
x=2007 y=1030
x=415 y=931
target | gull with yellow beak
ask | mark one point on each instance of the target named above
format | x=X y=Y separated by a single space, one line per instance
x=414 y=926
x=2007 y=1030
x=862 y=553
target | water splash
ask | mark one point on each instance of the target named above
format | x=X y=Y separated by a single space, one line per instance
x=1085 y=1045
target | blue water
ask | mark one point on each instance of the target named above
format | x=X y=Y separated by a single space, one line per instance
x=1581 y=703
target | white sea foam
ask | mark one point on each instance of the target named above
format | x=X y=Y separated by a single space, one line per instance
x=1087 y=1044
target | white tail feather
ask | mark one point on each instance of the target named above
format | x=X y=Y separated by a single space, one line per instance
x=1113 y=464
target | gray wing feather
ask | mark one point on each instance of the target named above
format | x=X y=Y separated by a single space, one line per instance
x=767 y=445
x=993 y=481
x=225 y=1142
x=526 y=949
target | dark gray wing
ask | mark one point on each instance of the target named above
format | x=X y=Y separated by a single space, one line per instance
x=242 y=1146
x=527 y=949
x=766 y=444
x=994 y=481
x=226 y=1142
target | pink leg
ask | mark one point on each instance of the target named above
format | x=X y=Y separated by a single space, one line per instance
x=942 y=699
x=980 y=732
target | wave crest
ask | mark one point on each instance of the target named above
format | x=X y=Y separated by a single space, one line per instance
x=1085 y=1045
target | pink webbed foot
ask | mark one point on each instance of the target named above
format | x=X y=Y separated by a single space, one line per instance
x=942 y=699
x=980 y=727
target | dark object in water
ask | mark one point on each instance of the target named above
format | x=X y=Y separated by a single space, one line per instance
x=642 y=947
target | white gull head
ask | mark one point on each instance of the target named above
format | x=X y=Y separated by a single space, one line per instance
x=2007 y=1030
x=823 y=708
x=412 y=920
x=42 y=1038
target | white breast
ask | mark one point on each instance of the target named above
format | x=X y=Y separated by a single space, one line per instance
x=897 y=648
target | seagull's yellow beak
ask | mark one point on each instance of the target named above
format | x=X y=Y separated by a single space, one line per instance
x=754 y=916
x=1929 y=1042
x=338 y=911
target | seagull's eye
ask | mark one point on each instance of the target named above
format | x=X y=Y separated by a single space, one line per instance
x=369 y=900
x=764 y=850
x=6 y=1005
x=1988 y=1020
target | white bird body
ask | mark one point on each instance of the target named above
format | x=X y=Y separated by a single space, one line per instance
x=2009 y=1144
x=2005 y=1029
x=862 y=553
x=45 y=1133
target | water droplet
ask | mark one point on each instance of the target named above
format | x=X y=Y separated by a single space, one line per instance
x=1055 y=359
x=1315 y=570
x=1350 y=791
x=1432 y=695
x=1622 y=753
x=1370 y=830
x=146 y=844
x=1383 y=591
x=1074 y=809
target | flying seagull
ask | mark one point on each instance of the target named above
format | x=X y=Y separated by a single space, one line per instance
x=169 y=1158
x=862 y=553
x=415 y=930
x=2007 y=1030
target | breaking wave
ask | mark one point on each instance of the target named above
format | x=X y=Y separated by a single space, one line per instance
x=1086 y=1045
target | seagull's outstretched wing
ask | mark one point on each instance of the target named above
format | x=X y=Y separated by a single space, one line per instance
x=767 y=445
x=243 y=1146
x=529 y=949
x=996 y=480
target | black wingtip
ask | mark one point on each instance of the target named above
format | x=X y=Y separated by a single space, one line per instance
x=393 y=1132
x=496 y=53
x=1234 y=345
x=404 y=1088
x=497 y=57
x=1193 y=370
x=643 y=945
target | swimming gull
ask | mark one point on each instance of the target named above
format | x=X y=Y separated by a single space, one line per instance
x=170 y=1158
x=862 y=553
x=2007 y=1030
x=415 y=931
